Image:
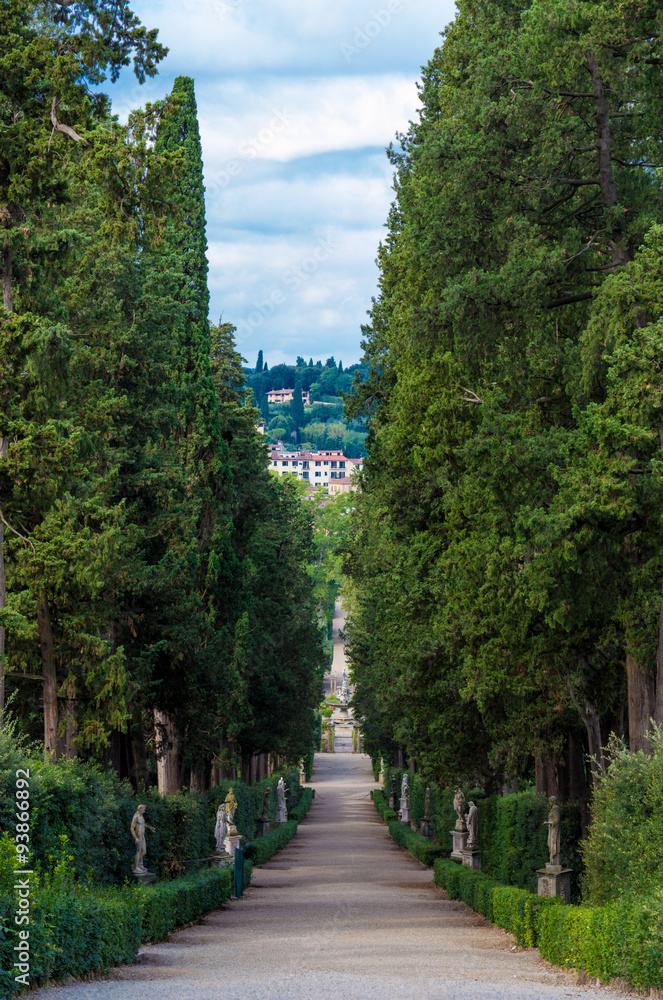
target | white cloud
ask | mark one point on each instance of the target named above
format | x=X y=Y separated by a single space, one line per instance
x=297 y=102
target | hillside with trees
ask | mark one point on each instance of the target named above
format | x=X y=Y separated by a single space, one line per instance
x=322 y=423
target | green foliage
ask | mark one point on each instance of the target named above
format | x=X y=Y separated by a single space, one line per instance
x=506 y=551
x=299 y=811
x=171 y=904
x=261 y=849
x=623 y=853
x=422 y=848
x=516 y=910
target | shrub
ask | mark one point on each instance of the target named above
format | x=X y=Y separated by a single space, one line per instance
x=422 y=848
x=172 y=904
x=624 y=850
x=262 y=848
x=302 y=807
x=380 y=802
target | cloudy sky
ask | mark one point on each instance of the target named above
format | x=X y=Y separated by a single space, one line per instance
x=296 y=103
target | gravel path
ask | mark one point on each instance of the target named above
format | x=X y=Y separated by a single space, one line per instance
x=341 y=913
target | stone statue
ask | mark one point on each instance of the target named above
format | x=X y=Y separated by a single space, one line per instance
x=472 y=821
x=231 y=807
x=427 y=805
x=138 y=827
x=221 y=828
x=459 y=802
x=404 y=812
x=264 y=816
x=281 y=809
x=404 y=783
x=554 y=823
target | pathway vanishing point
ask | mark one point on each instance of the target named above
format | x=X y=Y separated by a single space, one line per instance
x=341 y=913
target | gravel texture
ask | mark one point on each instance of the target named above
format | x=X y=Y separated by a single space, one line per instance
x=341 y=913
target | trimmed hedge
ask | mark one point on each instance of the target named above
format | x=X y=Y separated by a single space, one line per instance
x=512 y=834
x=261 y=850
x=514 y=909
x=619 y=941
x=422 y=848
x=77 y=929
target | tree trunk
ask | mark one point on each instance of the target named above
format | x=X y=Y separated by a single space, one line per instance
x=7 y=276
x=606 y=177
x=641 y=700
x=167 y=747
x=658 y=702
x=140 y=753
x=51 y=747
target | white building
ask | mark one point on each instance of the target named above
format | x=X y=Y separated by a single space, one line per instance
x=318 y=468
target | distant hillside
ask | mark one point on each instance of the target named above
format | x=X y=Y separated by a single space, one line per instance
x=318 y=425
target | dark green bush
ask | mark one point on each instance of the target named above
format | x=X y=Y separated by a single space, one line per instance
x=299 y=811
x=172 y=904
x=622 y=940
x=380 y=802
x=516 y=910
x=624 y=850
x=422 y=848
x=262 y=848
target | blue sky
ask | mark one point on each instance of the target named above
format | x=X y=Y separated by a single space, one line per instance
x=297 y=103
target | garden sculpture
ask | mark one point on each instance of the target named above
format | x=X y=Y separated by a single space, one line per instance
x=231 y=807
x=472 y=820
x=554 y=823
x=264 y=816
x=282 y=814
x=138 y=826
x=221 y=828
x=459 y=803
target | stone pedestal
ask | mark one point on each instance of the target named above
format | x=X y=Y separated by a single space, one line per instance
x=221 y=859
x=404 y=815
x=231 y=842
x=471 y=856
x=145 y=877
x=459 y=840
x=555 y=881
x=263 y=827
x=424 y=828
x=282 y=815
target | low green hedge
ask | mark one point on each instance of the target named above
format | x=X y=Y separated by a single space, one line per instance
x=382 y=806
x=514 y=909
x=619 y=940
x=262 y=848
x=422 y=848
x=299 y=811
x=77 y=929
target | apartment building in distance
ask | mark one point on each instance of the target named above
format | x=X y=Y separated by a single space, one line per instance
x=285 y=395
x=318 y=468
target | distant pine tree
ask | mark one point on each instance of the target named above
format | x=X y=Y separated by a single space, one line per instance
x=259 y=363
x=310 y=362
x=340 y=367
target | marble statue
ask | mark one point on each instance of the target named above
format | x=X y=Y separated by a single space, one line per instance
x=264 y=816
x=231 y=808
x=221 y=828
x=404 y=812
x=404 y=783
x=472 y=821
x=554 y=823
x=138 y=827
x=281 y=809
x=459 y=803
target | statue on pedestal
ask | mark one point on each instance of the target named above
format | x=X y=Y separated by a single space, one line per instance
x=221 y=829
x=138 y=827
x=264 y=816
x=281 y=809
x=404 y=814
x=472 y=821
x=231 y=808
x=459 y=803
x=554 y=824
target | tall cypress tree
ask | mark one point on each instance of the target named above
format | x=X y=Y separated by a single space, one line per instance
x=259 y=363
x=189 y=562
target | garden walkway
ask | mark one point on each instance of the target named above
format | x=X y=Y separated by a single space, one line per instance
x=341 y=913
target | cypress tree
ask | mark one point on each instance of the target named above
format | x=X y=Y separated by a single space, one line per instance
x=297 y=406
x=259 y=363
